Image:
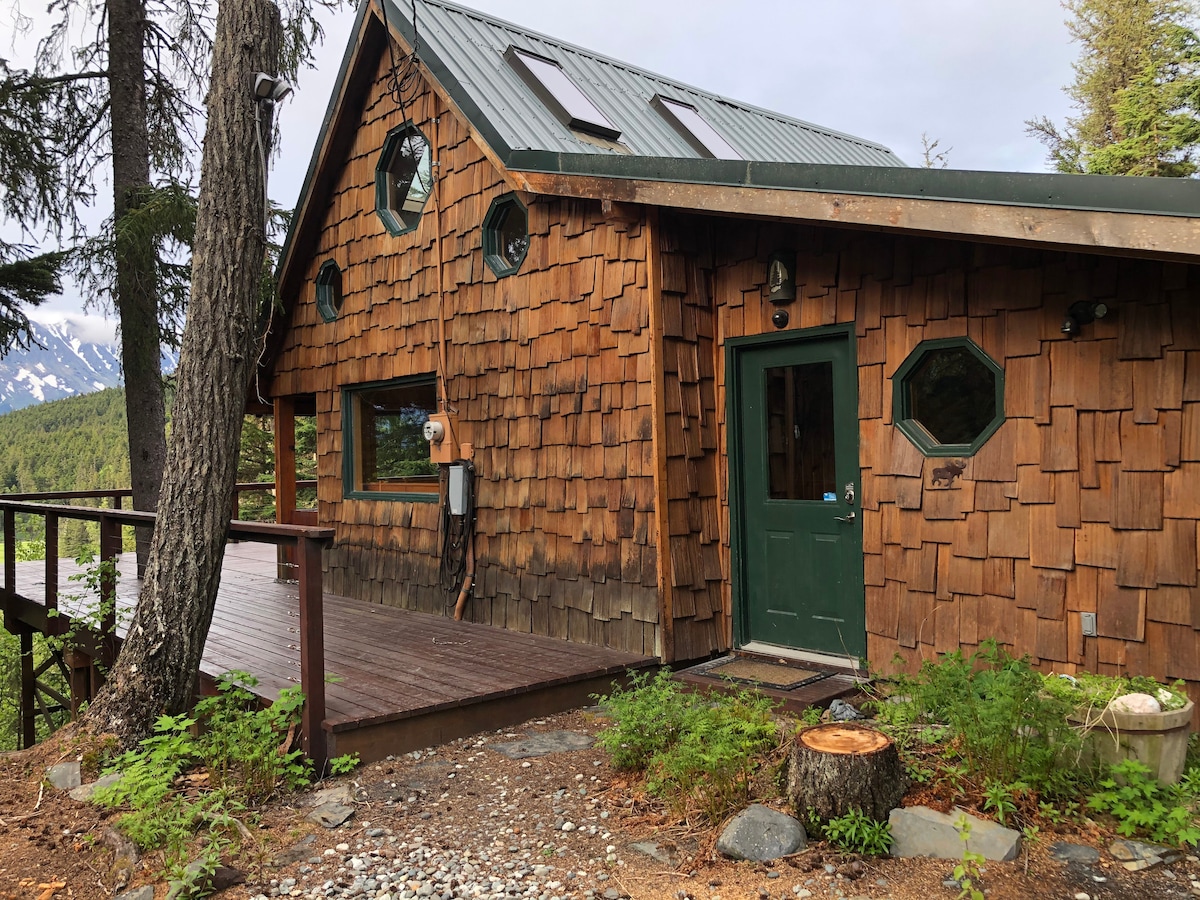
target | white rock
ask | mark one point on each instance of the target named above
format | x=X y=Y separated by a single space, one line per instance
x=1139 y=704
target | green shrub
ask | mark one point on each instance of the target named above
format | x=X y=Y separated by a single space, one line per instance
x=179 y=786
x=857 y=833
x=698 y=750
x=993 y=710
x=1142 y=805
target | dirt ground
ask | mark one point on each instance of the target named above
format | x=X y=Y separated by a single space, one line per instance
x=53 y=848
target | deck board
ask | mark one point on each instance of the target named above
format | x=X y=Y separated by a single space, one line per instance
x=397 y=678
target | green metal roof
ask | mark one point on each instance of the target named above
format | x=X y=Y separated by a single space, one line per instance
x=465 y=49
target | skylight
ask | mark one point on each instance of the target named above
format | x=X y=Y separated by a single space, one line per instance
x=694 y=128
x=560 y=94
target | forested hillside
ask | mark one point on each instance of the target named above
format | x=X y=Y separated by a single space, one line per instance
x=77 y=443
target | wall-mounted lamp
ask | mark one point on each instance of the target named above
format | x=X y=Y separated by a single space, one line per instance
x=1081 y=313
x=270 y=87
x=779 y=318
x=781 y=277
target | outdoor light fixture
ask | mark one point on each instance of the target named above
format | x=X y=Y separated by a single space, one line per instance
x=781 y=277
x=779 y=318
x=270 y=87
x=1081 y=313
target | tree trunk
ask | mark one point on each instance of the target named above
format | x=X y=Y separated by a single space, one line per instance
x=835 y=768
x=136 y=289
x=156 y=669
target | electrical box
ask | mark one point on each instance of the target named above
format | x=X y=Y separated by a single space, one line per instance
x=1088 y=622
x=458 y=490
x=439 y=431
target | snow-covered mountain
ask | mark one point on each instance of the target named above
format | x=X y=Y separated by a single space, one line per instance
x=70 y=361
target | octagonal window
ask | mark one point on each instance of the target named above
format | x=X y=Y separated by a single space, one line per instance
x=948 y=397
x=329 y=290
x=403 y=178
x=506 y=235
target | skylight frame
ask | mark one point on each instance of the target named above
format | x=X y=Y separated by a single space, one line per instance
x=562 y=96
x=701 y=136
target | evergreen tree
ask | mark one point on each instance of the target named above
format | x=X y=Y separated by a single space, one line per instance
x=1136 y=90
x=124 y=108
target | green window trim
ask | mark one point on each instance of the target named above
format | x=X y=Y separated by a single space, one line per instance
x=506 y=235
x=905 y=386
x=400 y=196
x=329 y=290
x=410 y=448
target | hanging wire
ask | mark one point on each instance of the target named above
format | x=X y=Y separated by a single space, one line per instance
x=404 y=82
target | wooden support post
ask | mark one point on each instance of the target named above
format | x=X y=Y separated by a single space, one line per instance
x=312 y=649
x=110 y=550
x=285 y=479
x=28 y=733
x=80 y=666
x=52 y=566
x=10 y=551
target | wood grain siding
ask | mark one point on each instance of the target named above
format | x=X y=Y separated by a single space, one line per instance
x=1086 y=499
x=548 y=371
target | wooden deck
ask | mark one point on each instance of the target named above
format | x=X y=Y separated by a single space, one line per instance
x=395 y=680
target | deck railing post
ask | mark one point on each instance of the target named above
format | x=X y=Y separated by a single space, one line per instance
x=110 y=550
x=10 y=550
x=51 y=562
x=312 y=648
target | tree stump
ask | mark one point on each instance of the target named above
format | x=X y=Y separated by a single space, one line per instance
x=838 y=767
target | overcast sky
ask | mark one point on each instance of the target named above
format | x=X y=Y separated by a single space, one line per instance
x=967 y=73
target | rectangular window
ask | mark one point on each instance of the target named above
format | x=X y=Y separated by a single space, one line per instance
x=560 y=94
x=386 y=454
x=694 y=128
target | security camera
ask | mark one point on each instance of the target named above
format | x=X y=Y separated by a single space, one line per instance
x=270 y=87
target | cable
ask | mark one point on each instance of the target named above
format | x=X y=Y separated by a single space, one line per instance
x=457 y=534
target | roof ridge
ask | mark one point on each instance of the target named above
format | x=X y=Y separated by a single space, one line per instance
x=773 y=115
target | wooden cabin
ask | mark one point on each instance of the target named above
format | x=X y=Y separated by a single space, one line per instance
x=729 y=380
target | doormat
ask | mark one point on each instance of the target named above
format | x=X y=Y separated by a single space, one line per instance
x=756 y=671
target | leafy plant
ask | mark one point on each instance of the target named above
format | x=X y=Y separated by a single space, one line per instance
x=1000 y=799
x=344 y=764
x=697 y=750
x=993 y=710
x=859 y=834
x=1086 y=690
x=968 y=872
x=178 y=786
x=1142 y=805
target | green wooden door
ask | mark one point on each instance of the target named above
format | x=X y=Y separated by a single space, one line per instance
x=796 y=466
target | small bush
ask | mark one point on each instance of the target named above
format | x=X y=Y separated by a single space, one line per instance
x=1141 y=805
x=857 y=833
x=699 y=751
x=179 y=786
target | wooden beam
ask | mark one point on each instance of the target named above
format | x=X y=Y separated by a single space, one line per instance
x=28 y=728
x=1132 y=234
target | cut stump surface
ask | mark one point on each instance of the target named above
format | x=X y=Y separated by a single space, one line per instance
x=840 y=767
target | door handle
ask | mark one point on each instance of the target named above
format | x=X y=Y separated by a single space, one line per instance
x=849 y=517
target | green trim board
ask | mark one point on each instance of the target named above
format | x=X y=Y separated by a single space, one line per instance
x=908 y=419
x=796 y=558
x=350 y=442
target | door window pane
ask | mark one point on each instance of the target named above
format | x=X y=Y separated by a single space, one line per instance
x=799 y=406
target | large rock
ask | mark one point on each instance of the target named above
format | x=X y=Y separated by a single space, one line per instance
x=64 y=776
x=921 y=831
x=760 y=833
x=85 y=792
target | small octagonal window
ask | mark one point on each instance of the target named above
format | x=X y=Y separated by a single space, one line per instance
x=948 y=397
x=329 y=290
x=506 y=235
x=403 y=178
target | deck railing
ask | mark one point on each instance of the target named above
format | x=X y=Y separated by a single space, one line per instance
x=306 y=542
